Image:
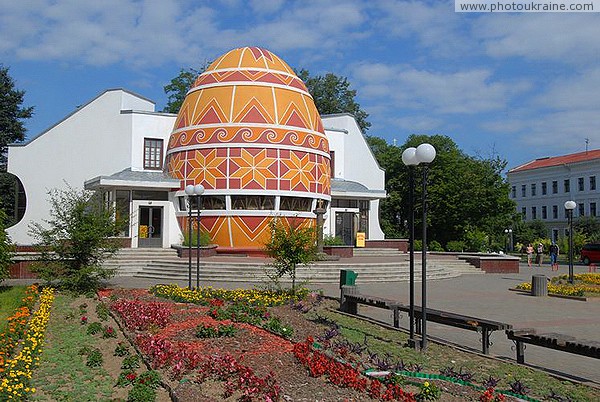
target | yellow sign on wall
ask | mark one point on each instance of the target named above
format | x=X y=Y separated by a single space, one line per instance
x=360 y=239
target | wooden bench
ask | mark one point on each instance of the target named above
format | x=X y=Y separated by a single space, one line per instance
x=560 y=342
x=351 y=298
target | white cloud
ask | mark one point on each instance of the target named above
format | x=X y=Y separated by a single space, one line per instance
x=576 y=92
x=463 y=92
x=570 y=38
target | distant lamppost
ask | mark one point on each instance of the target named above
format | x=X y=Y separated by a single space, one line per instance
x=509 y=233
x=425 y=154
x=196 y=191
x=570 y=206
x=409 y=158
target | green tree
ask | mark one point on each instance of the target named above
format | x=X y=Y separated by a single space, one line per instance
x=78 y=238
x=6 y=249
x=332 y=94
x=464 y=193
x=530 y=231
x=178 y=87
x=289 y=246
x=589 y=226
x=12 y=130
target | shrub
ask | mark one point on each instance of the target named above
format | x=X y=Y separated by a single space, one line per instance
x=455 y=246
x=274 y=325
x=435 y=246
x=130 y=362
x=94 y=358
x=121 y=350
x=5 y=249
x=329 y=240
x=205 y=239
x=94 y=328
x=102 y=311
x=79 y=237
x=141 y=393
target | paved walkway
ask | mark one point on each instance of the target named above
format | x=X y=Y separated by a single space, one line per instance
x=484 y=296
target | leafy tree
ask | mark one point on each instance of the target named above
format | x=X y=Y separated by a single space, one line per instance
x=79 y=237
x=332 y=94
x=530 y=231
x=6 y=249
x=178 y=87
x=289 y=246
x=12 y=129
x=464 y=193
x=589 y=226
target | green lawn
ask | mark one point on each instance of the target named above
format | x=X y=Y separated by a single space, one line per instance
x=10 y=300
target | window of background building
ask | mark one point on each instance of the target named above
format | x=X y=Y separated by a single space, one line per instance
x=592 y=209
x=567 y=185
x=514 y=191
x=533 y=189
x=554 y=211
x=544 y=188
x=544 y=212
x=295 y=204
x=252 y=202
x=581 y=208
x=524 y=212
x=523 y=190
x=592 y=182
x=554 y=186
x=153 y=153
x=580 y=186
x=533 y=212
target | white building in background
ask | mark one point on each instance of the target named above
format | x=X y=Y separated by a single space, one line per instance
x=542 y=186
x=116 y=143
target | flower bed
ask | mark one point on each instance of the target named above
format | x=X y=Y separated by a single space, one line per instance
x=584 y=284
x=17 y=370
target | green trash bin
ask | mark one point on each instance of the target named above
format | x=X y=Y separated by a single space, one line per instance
x=347 y=277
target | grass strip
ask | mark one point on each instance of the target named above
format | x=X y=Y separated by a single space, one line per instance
x=10 y=299
x=63 y=374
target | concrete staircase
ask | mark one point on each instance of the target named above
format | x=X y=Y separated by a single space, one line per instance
x=164 y=265
x=378 y=252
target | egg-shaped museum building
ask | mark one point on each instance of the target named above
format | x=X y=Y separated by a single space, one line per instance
x=249 y=132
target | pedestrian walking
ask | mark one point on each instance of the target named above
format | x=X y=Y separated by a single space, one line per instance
x=554 y=250
x=539 y=254
x=529 y=251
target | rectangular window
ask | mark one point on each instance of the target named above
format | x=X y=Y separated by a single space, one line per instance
x=206 y=202
x=592 y=209
x=523 y=190
x=514 y=191
x=554 y=187
x=580 y=184
x=533 y=189
x=544 y=212
x=581 y=209
x=544 y=188
x=122 y=204
x=554 y=211
x=592 y=183
x=252 y=202
x=567 y=185
x=295 y=204
x=153 y=153
x=524 y=213
x=533 y=213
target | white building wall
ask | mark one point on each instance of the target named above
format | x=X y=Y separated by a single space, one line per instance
x=94 y=140
x=149 y=126
x=354 y=161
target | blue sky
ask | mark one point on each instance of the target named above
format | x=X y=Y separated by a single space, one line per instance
x=517 y=85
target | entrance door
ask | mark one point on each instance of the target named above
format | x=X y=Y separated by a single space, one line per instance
x=344 y=227
x=150 y=230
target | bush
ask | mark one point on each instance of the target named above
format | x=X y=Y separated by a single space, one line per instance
x=205 y=239
x=329 y=240
x=79 y=237
x=435 y=246
x=6 y=249
x=141 y=393
x=456 y=246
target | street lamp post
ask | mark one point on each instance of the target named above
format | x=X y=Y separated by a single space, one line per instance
x=196 y=191
x=425 y=154
x=509 y=233
x=409 y=158
x=570 y=206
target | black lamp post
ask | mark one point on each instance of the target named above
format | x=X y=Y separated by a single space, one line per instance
x=409 y=158
x=196 y=191
x=425 y=154
x=570 y=206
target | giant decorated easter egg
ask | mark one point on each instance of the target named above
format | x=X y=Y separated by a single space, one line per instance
x=249 y=132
